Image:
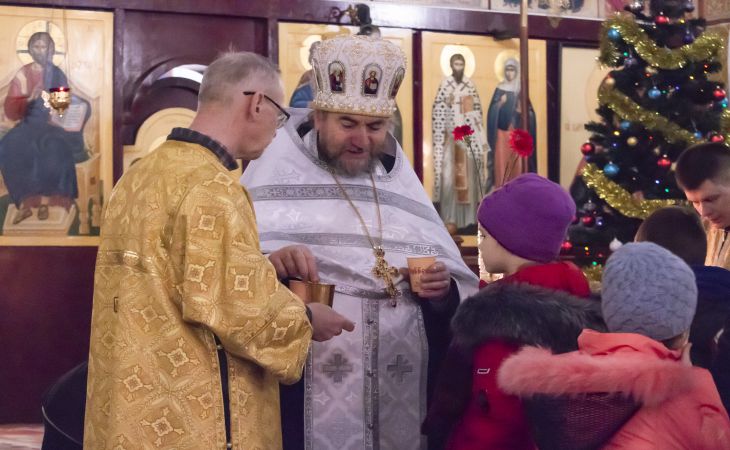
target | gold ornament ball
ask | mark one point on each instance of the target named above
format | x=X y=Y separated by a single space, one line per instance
x=657 y=151
x=610 y=82
x=651 y=70
x=632 y=141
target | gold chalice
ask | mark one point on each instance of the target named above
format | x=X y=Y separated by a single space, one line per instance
x=60 y=99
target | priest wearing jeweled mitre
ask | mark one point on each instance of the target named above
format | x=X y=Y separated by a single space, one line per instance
x=338 y=202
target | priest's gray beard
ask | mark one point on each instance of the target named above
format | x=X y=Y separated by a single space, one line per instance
x=333 y=158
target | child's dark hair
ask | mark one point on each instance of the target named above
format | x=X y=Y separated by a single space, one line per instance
x=679 y=230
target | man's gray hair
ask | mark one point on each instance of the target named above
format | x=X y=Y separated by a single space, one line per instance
x=236 y=68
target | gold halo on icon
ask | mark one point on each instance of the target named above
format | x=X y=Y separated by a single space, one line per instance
x=304 y=50
x=319 y=33
x=59 y=40
x=465 y=51
x=501 y=59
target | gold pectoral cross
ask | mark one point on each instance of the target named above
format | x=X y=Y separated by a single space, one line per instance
x=386 y=272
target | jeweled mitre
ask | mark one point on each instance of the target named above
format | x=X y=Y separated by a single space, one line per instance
x=357 y=75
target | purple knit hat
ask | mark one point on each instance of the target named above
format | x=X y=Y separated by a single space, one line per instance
x=529 y=217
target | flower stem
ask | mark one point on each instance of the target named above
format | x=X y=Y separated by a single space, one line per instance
x=476 y=165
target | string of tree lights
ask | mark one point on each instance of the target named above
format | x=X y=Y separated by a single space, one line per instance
x=659 y=99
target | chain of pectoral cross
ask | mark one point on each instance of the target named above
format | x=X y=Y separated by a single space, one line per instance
x=381 y=269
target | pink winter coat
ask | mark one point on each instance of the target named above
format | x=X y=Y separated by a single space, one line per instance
x=680 y=406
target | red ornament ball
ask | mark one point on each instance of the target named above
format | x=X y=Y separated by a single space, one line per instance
x=587 y=148
x=717 y=138
x=566 y=246
x=661 y=20
x=664 y=163
x=588 y=221
x=719 y=94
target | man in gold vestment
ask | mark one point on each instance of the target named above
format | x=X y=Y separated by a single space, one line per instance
x=191 y=331
x=703 y=172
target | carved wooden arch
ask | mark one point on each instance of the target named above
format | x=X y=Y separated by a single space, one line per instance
x=152 y=94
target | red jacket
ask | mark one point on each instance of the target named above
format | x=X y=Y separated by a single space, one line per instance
x=560 y=276
x=680 y=406
x=491 y=419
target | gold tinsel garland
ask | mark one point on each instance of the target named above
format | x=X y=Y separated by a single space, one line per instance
x=653 y=121
x=704 y=47
x=619 y=198
x=594 y=274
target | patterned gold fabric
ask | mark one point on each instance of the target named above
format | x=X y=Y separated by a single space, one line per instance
x=179 y=261
x=718 y=247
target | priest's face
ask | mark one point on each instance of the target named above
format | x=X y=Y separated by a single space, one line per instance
x=348 y=142
x=264 y=114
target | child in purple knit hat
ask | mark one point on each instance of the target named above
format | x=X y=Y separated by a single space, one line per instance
x=522 y=225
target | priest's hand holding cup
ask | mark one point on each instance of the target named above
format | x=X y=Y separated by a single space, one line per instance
x=326 y=323
x=435 y=282
x=295 y=261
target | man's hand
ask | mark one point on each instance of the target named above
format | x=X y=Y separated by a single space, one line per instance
x=435 y=282
x=295 y=261
x=326 y=323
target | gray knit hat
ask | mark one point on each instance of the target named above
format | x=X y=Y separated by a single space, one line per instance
x=648 y=290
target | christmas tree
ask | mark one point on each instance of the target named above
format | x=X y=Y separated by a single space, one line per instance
x=656 y=102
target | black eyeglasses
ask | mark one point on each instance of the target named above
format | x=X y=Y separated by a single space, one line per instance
x=281 y=117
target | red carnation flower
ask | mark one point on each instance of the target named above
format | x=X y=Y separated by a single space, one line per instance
x=461 y=132
x=521 y=142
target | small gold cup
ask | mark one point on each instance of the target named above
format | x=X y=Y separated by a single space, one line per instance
x=322 y=293
x=60 y=99
x=300 y=289
x=416 y=268
x=313 y=292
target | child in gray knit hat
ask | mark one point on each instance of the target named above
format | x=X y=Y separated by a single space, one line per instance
x=648 y=290
x=649 y=298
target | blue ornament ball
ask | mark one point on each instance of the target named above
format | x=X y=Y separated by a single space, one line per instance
x=688 y=38
x=698 y=135
x=614 y=34
x=654 y=93
x=625 y=125
x=611 y=169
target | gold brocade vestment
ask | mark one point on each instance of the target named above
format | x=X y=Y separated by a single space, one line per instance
x=179 y=263
x=718 y=247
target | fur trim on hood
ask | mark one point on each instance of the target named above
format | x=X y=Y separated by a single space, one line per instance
x=645 y=378
x=525 y=314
